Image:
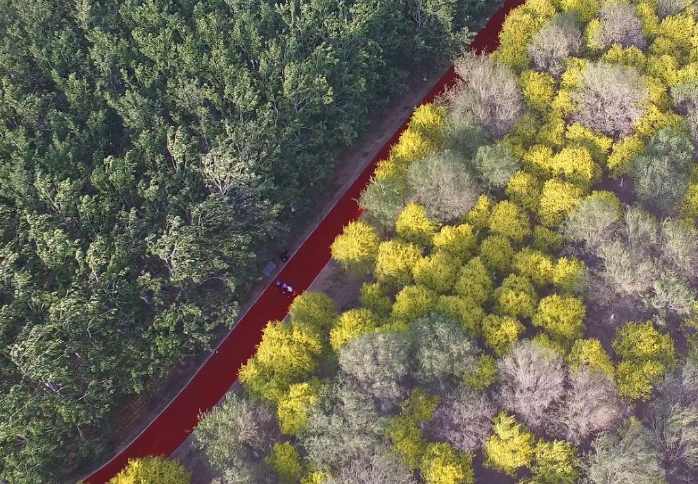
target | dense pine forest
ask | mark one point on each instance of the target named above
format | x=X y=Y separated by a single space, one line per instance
x=529 y=259
x=149 y=151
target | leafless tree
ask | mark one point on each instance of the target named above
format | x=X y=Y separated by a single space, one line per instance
x=463 y=419
x=442 y=184
x=383 y=468
x=667 y=8
x=532 y=379
x=621 y=25
x=554 y=42
x=611 y=100
x=489 y=92
x=592 y=405
x=377 y=363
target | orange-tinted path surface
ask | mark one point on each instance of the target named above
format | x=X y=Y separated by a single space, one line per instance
x=219 y=372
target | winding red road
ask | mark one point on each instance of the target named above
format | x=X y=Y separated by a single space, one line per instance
x=172 y=426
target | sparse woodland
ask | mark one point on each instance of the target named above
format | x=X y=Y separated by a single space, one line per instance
x=530 y=255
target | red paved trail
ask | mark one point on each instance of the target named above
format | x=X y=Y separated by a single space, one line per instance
x=219 y=372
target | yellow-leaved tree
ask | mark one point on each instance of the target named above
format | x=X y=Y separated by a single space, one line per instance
x=413 y=225
x=395 y=262
x=356 y=248
x=437 y=271
x=442 y=464
x=511 y=446
x=351 y=324
x=288 y=353
x=152 y=470
x=292 y=411
x=646 y=354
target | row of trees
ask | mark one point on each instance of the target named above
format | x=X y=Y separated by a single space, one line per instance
x=149 y=149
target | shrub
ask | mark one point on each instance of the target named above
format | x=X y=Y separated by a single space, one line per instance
x=463 y=419
x=621 y=25
x=553 y=43
x=395 y=260
x=501 y=332
x=437 y=271
x=441 y=184
x=413 y=225
x=511 y=446
x=474 y=282
x=532 y=382
x=593 y=219
x=458 y=241
x=611 y=100
x=356 y=248
x=496 y=253
x=562 y=317
x=489 y=93
x=413 y=302
x=496 y=164
x=152 y=470
x=557 y=199
x=351 y=324
x=509 y=219
x=515 y=297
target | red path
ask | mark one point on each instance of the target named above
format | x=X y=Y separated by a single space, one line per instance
x=219 y=372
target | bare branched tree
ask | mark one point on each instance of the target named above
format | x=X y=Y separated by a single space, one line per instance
x=532 y=379
x=611 y=100
x=489 y=93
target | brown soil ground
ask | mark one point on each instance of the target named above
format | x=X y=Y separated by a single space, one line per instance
x=136 y=414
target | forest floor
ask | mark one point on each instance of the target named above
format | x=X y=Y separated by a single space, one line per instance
x=138 y=413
